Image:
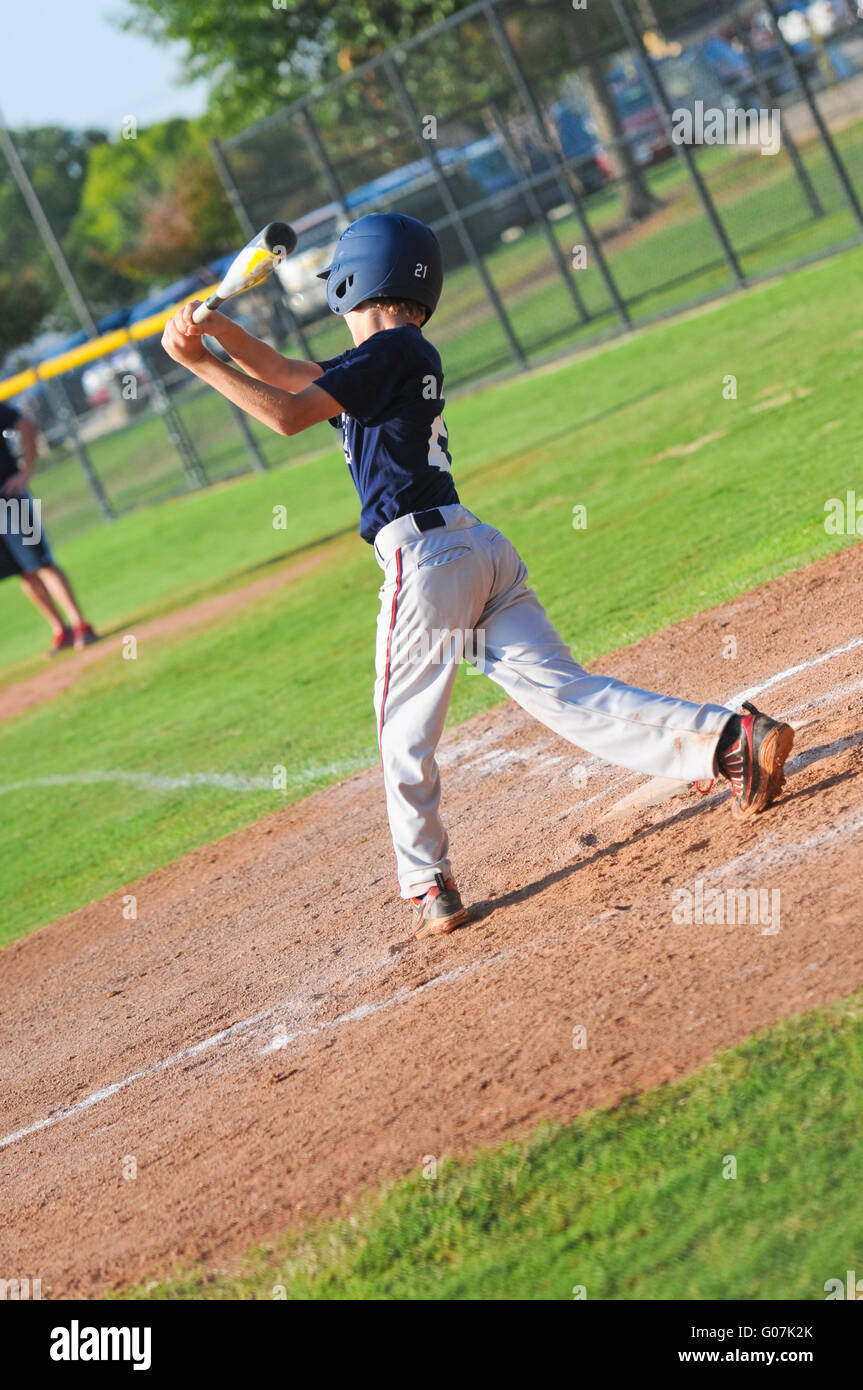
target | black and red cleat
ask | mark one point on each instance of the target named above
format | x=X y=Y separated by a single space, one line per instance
x=754 y=761
x=84 y=636
x=62 y=640
x=440 y=909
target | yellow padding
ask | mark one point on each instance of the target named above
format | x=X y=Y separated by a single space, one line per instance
x=13 y=384
x=95 y=348
x=84 y=352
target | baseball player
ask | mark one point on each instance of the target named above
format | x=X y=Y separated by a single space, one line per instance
x=452 y=584
x=24 y=547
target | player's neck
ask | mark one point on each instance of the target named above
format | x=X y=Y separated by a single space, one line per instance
x=364 y=323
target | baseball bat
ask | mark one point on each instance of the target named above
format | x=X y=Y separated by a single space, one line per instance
x=253 y=264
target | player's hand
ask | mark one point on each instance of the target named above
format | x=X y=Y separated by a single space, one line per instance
x=213 y=324
x=182 y=338
x=17 y=484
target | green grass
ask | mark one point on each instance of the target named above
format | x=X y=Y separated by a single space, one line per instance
x=288 y=681
x=628 y=1203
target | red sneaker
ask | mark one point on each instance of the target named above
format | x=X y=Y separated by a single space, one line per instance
x=439 y=910
x=84 y=636
x=754 y=762
x=61 y=640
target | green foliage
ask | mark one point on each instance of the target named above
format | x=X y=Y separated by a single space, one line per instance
x=261 y=57
x=152 y=206
x=57 y=161
x=24 y=302
x=127 y=213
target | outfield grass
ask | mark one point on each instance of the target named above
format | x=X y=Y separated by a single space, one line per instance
x=627 y=1203
x=289 y=680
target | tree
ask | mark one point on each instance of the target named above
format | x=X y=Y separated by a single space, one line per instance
x=24 y=302
x=152 y=206
x=260 y=57
x=638 y=201
x=57 y=161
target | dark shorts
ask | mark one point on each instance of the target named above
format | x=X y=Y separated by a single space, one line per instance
x=23 y=544
x=7 y=565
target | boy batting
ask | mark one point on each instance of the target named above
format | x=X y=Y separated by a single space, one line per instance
x=446 y=573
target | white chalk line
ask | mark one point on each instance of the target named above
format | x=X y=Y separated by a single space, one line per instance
x=224 y=781
x=363 y=1011
x=492 y=760
x=152 y=1070
x=767 y=854
x=756 y=855
x=795 y=671
x=246 y=1024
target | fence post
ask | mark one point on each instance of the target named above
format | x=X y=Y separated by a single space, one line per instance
x=259 y=463
x=65 y=413
x=180 y=438
x=538 y=214
x=282 y=308
x=832 y=153
x=636 y=43
x=764 y=97
x=414 y=120
x=46 y=231
x=324 y=163
x=575 y=200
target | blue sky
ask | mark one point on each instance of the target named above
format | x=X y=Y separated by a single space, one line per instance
x=64 y=63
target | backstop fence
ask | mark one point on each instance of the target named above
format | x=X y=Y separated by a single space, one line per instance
x=586 y=171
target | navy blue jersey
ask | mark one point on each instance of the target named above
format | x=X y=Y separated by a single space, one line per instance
x=9 y=418
x=390 y=389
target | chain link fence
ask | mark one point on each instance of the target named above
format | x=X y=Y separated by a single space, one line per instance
x=585 y=169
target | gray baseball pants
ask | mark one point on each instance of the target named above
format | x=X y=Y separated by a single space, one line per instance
x=460 y=590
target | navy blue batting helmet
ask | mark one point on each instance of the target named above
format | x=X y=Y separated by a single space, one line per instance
x=384 y=255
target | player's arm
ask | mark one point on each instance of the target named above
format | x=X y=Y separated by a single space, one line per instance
x=257 y=359
x=286 y=412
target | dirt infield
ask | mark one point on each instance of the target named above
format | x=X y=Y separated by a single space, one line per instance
x=262 y=1045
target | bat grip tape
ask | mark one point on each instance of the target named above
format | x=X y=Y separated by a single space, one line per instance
x=204 y=311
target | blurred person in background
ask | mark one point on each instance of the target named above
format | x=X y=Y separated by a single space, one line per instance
x=24 y=548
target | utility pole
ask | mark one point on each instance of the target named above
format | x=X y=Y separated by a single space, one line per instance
x=46 y=231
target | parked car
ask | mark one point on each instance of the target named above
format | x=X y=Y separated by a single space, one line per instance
x=728 y=62
x=770 y=61
x=642 y=119
x=581 y=148
x=823 y=17
x=712 y=72
x=495 y=168
x=317 y=234
x=414 y=189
